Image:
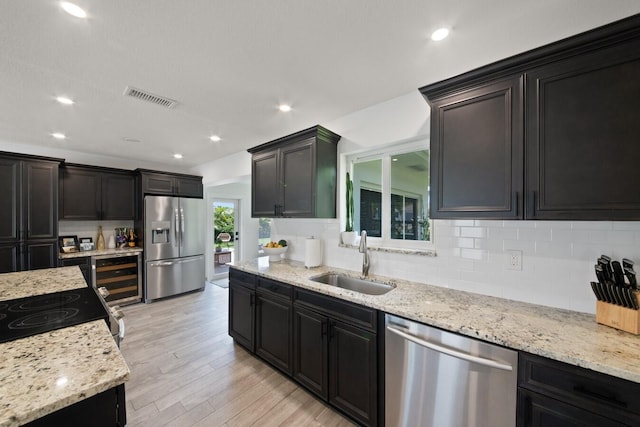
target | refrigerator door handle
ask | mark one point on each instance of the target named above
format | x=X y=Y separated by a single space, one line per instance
x=176 y=230
x=162 y=263
x=181 y=227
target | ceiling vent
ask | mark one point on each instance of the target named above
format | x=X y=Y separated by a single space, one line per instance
x=149 y=97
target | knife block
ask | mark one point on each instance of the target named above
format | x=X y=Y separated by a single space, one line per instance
x=622 y=318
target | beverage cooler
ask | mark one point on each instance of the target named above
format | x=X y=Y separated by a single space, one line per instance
x=120 y=274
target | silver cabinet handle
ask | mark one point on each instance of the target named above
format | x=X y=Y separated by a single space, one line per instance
x=181 y=227
x=450 y=352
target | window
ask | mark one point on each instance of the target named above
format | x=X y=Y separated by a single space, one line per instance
x=391 y=195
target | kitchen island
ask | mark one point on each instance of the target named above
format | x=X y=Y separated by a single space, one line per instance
x=44 y=373
x=563 y=335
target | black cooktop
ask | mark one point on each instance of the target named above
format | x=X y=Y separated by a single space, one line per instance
x=23 y=317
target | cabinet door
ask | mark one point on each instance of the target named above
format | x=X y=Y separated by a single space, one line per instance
x=188 y=187
x=118 y=196
x=81 y=194
x=241 y=320
x=266 y=188
x=298 y=179
x=352 y=371
x=310 y=356
x=582 y=136
x=40 y=255
x=536 y=410
x=9 y=257
x=40 y=200
x=476 y=153
x=10 y=194
x=155 y=183
x=273 y=330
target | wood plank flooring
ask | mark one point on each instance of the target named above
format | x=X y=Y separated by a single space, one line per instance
x=186 y=371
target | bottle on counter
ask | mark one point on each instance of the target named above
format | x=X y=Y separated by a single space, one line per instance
x=100 y=240
x=111 y=242
x=132 y=238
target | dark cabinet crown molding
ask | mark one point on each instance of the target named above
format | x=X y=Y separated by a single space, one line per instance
x=319 y=132
x=20 y=156
x=610 y=34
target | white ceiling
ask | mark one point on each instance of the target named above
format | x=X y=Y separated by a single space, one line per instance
x=230 y=63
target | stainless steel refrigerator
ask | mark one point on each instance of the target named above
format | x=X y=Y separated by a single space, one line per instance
x=174 y=242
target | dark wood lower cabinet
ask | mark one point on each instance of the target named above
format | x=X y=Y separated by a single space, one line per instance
x=327 y=345
x=273 y=330
x=353 y=371
x=39 y=255
x=106 y=409
x=310 y=352
x=537 y=410
x=241 y=314
x=556 y=394
x=28 y=256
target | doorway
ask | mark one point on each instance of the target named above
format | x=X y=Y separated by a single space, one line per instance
x=226 y=244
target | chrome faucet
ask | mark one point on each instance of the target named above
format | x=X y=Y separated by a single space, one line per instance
x=365 y=256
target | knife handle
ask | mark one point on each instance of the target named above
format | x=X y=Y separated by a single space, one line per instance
x=627 y=263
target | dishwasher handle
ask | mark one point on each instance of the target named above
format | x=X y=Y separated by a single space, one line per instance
x=460 y=355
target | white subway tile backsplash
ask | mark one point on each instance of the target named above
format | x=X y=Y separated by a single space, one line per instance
x=463 y=242
x=592 y=225
x=473 y=231
x=558 y=256
x=535 y=234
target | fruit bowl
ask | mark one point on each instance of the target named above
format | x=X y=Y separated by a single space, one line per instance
x=275 y=254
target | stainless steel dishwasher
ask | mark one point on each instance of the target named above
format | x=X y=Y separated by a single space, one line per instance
x=441 y=379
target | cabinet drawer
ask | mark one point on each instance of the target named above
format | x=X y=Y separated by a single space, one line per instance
x=353 y=313
x=581 y=387
x=277 y=288
x=67 y=262
x=240 y=277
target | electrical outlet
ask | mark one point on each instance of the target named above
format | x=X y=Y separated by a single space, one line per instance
x=513 y=260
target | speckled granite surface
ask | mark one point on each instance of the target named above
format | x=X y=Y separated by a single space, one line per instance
x=124 y=251
x=46 y=372
x=563 y=335
x=38 y=282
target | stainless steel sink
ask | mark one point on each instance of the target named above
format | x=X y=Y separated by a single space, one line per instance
x=362 y=286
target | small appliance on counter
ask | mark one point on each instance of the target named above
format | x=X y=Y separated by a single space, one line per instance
x=617 y=293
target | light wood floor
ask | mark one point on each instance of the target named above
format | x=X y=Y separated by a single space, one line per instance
x=186 y=371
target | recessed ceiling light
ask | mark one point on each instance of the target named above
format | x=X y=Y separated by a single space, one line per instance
x=215 y=138
x=439 y=34
x=64 y=100
x=284 y=108
x=58 y=135
x=73 y=9
x=395 y=159
x=177 y=156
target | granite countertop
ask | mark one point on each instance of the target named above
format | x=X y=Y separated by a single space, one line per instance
x=564 y=335
x=46 y=372
x=123 y=251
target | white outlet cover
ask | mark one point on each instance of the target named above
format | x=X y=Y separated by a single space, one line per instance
x=513 y=259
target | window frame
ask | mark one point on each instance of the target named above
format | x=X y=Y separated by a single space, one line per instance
x=385 y=154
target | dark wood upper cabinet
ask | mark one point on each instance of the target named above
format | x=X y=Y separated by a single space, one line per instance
x=170 y=184
x=28 y=212
x=94 y=193
x=583 y=136
x=295 y=176
x=549 y=134
x=476 y=152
